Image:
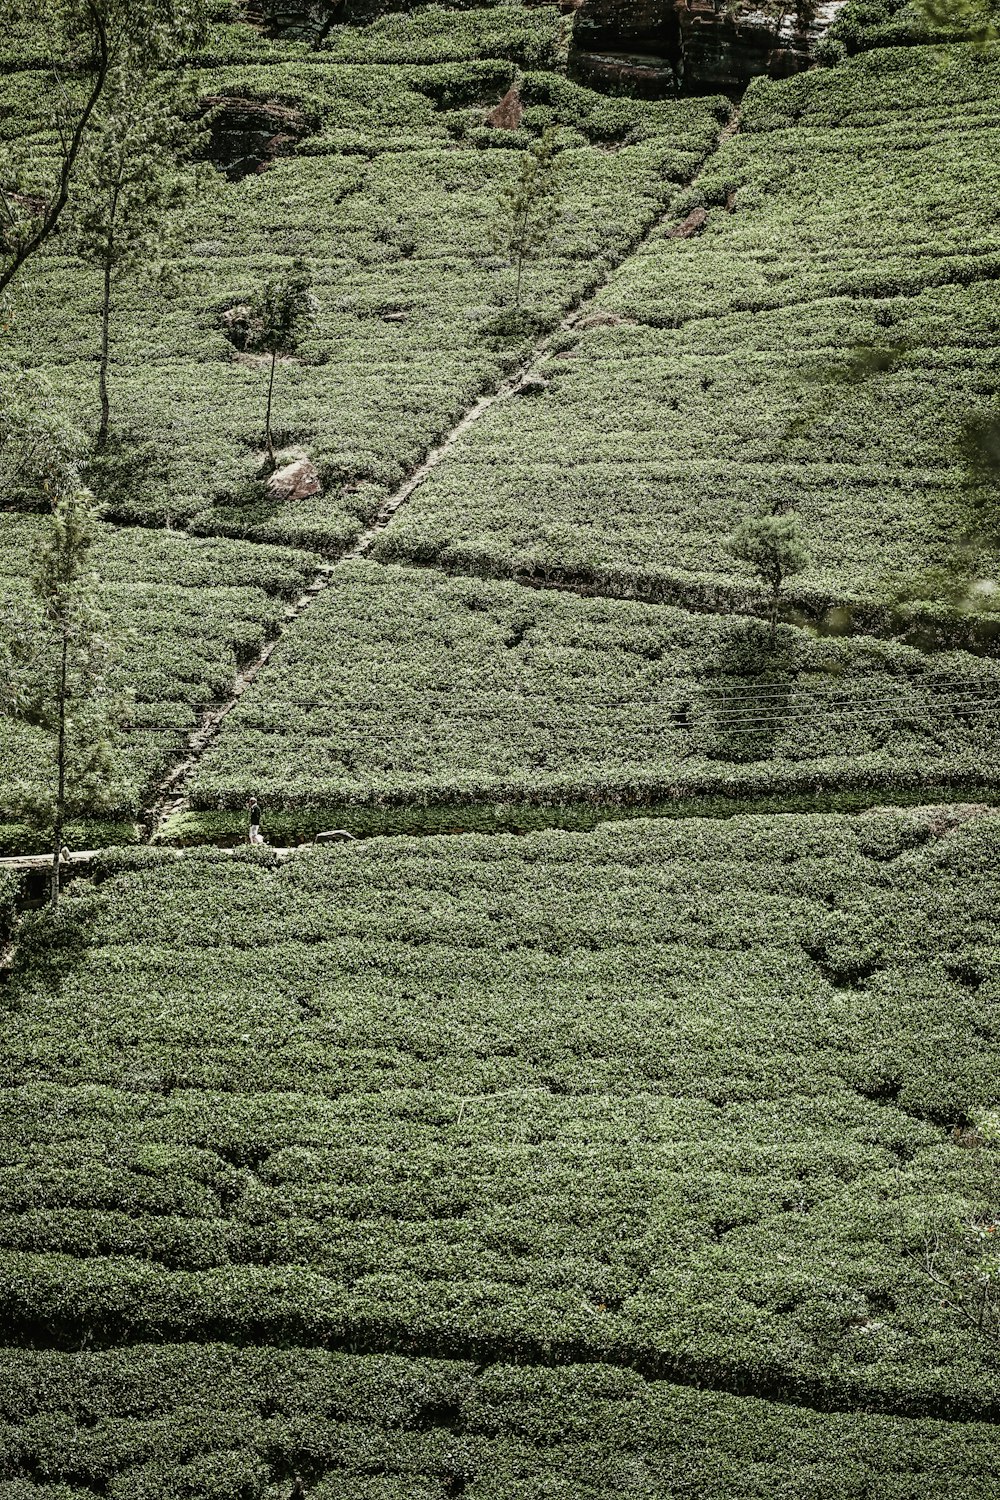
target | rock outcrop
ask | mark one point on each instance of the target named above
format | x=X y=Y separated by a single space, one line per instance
x=652 y=48
x=246 y=135
x=627 y=46
x=298 y=480
x=509 y=113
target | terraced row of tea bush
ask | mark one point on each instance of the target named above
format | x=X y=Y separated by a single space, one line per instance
x=682 y=1098
x=390 y=195
x=822 y=345
x=404 y=692
x=182 y=614
x=863 y=24
x=233 y=1422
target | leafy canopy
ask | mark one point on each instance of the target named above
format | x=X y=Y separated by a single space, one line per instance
x=88 y=41
x=773 y=548
x=282 y=312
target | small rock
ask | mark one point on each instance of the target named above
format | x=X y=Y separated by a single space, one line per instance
x=532 y=385
x=296 y=481
x=693 y=224
x=395 y=317
x=509 y=112
x=333 y=836
x=600 y=320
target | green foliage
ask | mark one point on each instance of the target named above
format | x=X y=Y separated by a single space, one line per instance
x=395 y=220
x=186 y=614
x=129 y=184
x=851 y=212
x=84 y=43
x=281 y=314
x=283 y=311
x=54 y=670
x=40 y=448
x=674 y=1097
x=863 y=24
x=9 y=891
x=177 y=1420
x=773 y=547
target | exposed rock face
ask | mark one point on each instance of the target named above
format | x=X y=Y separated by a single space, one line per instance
x=627 y=46
x=509 y=112
x=652 y=48
x=298 y=480
x=247 y=135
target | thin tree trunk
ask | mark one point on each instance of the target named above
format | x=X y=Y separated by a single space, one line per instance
x=61 y=763
x=267 y=420
x=522 y=235
x=102 y=435
x=774 y=616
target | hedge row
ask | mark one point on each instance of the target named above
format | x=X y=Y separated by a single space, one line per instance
x=391 y=196
x=181 y=1421
x=183 y=615
x=823 y=344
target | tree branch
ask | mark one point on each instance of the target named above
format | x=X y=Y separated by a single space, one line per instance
x=52 y=214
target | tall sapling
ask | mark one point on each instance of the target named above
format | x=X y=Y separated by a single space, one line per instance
x=529 y=208
x=280 y=315
x=131 y=181
x=53 y=673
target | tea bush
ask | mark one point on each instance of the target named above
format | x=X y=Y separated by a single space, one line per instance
x=723 y=373
x=177 y=1420
x=183 y=614
x=390 y=195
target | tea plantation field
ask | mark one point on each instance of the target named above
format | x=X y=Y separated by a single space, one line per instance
x=214 y=1419
x=676 y=1099
x=390 y=195
x=404 y=693
x=821 y=346
x=616 y=1111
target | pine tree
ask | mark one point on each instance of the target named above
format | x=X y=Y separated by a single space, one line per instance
x=529 y=208
x=131 y=181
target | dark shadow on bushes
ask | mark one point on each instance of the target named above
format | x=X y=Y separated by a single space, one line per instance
x=739 y=712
